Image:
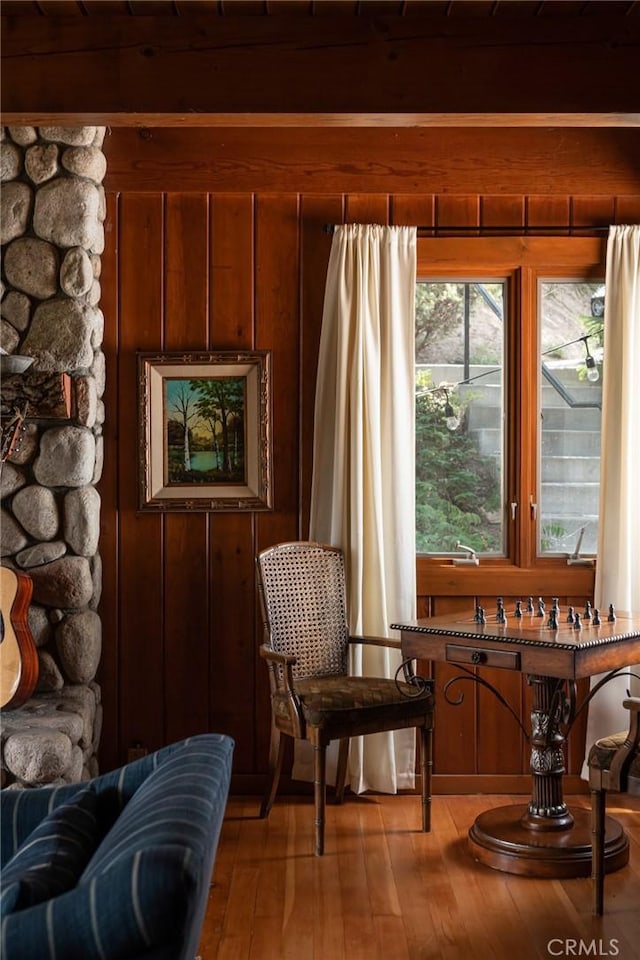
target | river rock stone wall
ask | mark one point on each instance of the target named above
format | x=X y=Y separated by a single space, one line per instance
x=52 y=209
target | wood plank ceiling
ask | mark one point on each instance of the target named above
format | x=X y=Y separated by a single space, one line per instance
x=417 y=54
x=451 y=8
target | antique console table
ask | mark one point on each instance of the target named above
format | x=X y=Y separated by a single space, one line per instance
x=542 y=838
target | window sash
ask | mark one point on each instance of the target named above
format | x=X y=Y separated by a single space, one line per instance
x=522 y=260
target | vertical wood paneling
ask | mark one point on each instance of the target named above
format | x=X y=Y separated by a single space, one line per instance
x=186 y=626
x=232 y=600
x=186 y=573
x=108 y=489
x=548 y=211
x=141 y=574
x=627 y=210
x=233 y=647
x=181 y=624
x=410 y=211
x=277 y=330
x=186 y=267
x=586 y=210
x=499 y=746
x=502 y=212
x=457 y=211
x=577 y=748
x=232 y=273
x=366 y=208
x=456 y=728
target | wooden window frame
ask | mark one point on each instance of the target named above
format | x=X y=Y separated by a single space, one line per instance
x=522 y=261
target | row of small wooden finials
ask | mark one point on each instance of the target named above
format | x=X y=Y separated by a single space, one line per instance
x=590 y=614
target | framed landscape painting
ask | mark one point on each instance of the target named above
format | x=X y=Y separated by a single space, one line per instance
x=204 y=431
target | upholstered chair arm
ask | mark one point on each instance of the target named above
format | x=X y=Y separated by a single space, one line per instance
x=622 y=757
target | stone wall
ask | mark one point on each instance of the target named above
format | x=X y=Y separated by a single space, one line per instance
x=51 y=231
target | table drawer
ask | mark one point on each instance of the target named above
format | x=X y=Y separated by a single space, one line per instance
x=482 y=657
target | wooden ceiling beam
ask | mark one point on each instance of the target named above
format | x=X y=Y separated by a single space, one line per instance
x=192 y=70
x=319 y=120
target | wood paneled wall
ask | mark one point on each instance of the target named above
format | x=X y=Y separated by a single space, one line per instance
x=212 y=266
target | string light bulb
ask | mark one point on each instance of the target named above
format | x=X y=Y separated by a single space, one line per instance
x=451 y=420
x=590 y=362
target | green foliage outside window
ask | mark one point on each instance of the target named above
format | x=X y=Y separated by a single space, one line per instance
x=457 y=489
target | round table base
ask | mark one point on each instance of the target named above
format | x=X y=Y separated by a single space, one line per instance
x=499 y=839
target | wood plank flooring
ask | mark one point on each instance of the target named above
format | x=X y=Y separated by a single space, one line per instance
x=385 y=891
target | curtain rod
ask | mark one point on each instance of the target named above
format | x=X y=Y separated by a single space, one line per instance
x=506 y=231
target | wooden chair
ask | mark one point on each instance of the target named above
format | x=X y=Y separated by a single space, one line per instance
x=614 y=764
x=303 y=600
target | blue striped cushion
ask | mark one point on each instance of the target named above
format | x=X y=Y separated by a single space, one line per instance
x=52 y=858
x=141 y=904
x=23 y=810
x=173 y=806
x=144 y=891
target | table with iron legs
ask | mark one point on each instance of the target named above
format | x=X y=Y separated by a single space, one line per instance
x=542 y=838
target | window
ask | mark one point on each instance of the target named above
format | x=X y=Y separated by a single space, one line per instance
x=570 y=408
x=460 y=415
x=508 y=386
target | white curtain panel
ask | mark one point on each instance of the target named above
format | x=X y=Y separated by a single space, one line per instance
x=363 y=493
x=618 y=564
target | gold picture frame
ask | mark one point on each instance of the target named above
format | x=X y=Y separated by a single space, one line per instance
x=204 y=429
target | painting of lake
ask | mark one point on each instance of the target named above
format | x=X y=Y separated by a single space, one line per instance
x=205 y=428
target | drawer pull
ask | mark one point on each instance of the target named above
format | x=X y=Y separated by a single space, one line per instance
x=487 y=657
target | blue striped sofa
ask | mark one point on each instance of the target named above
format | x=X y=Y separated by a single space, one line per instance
x=118 y=867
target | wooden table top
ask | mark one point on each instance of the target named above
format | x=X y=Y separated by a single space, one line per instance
x=529 y=630
x=539 y=649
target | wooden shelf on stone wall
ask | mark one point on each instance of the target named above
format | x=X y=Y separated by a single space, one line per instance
x=48 y=395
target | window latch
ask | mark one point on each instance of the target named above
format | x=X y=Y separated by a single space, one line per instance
x=470 y=560
x=514 y=509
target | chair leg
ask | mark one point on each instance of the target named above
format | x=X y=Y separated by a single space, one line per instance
x=341 y=772
x=426 y=761
x=319 y=789
x=276 y=757
x=598 y=803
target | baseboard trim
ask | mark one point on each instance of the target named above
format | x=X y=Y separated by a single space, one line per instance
x=518 y=783
x=254 y=784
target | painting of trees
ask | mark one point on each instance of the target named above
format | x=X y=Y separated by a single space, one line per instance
x=183 y=406
x=204 y=431
x=205 y=424
x=221 y=402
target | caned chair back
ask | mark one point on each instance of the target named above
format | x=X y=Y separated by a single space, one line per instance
x=303 y=598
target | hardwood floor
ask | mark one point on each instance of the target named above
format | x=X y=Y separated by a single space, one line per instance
x=385 y=891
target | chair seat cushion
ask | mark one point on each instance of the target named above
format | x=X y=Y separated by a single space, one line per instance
x=355 y=700
x=603 y=750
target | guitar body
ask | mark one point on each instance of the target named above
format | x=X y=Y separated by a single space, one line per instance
x=18 y=654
